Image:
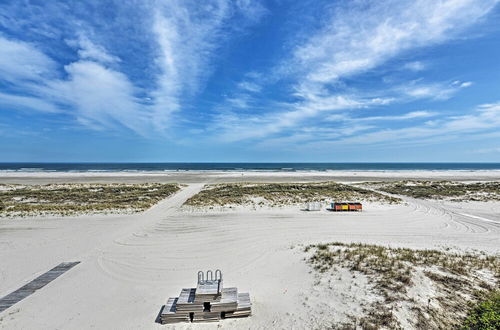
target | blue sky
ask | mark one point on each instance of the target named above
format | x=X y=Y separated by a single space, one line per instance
x=241 y=80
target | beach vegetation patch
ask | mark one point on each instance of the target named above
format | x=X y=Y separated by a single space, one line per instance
x=450 y=190
x=73 y=199
x=280 y=194
x=423 y=289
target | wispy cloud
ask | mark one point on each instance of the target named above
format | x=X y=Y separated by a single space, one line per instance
x=88 y=50
x=238 y=126
x=483 y=118
x=187 y=37
x=461 y=84
x=103 y=98
x=20 y=102
x=96 y=86
x=21 y=61
x=406 y=116
x=250 y=86
x=415 y=66
x=357 y=38
x=98 y=96
x=363 y=35
x=481 y=122
x=436 y=91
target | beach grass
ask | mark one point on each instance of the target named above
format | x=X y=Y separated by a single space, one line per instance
x=280 y=194
x=72 y=199
x=456 y=281
x=454 y=191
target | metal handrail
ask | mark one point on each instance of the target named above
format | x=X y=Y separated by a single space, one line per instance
x=217 y=271
x=209 y=276
x=201 y=277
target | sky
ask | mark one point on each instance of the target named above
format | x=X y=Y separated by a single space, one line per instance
x=250 y=81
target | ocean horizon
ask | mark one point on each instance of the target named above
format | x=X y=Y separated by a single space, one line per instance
x=244 y=166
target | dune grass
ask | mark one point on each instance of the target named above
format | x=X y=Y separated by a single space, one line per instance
x=278 y=194
x=456 y=191
x=457 y=281
x=71 y=199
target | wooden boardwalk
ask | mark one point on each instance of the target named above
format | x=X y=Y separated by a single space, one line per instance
x=35 y=285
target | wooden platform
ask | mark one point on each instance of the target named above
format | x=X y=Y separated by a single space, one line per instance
x=208 y=302
x=36 y=284
x=208 y=291
x=169 y=315
x=186 y=302
x=244 y=307
x=228 y=301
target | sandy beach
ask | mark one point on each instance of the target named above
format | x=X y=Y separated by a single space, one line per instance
x=130 y=264
x=244 y=176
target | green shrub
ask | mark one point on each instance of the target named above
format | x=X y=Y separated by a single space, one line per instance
x=486 y=314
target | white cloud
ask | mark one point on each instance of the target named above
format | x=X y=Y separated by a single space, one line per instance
x=21 y=61
x=96 y=90
x=436 y=91
x=483 y=118
x=461 y=84
x=250 y=86
x=240 y=101
x=252 y=10
x=363 y=36
x=21 y=102
x=415 y=66
x=101 y=97
x=357 y=38
x=406 y=116
x=188 y=34
x=96 y=95
x=312 y=135
x=90 y=51
x=236 y=127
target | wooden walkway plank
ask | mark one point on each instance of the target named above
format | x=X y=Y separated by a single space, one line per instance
x=38 y=283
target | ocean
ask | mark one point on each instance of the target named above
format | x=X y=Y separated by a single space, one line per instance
x=278 y=167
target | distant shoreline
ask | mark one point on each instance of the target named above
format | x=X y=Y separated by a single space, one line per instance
x=213 y=176
x=160 y=168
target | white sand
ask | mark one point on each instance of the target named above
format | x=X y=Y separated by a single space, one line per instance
x=251 y=176
x=131 y=264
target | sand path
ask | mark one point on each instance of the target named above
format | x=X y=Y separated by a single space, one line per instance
x=131 y=264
